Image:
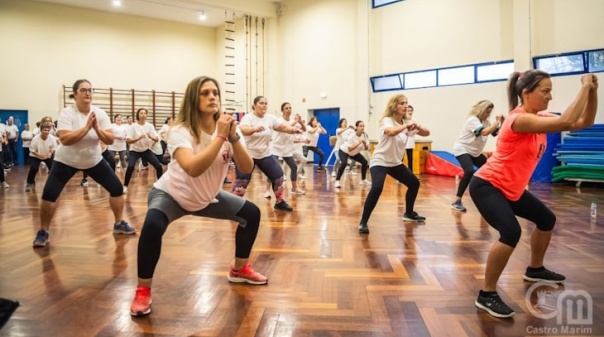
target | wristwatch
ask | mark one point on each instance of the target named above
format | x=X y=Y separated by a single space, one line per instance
x=235 y=139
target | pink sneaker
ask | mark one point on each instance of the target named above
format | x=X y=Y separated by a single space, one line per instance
x=246 y=275
x=141 y=305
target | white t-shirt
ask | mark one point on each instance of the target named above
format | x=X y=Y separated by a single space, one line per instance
x=2 y=135
x=342 y=137
x=135 y=131
x=470 y=140
x=194 y=193
x=40 y=145
x=163 y=131
x=313 y=137
x=86 y=153
x=258 y=143
x=25 y=135
x=121 y=132
x=351 y=141
x=12 y=131
x=282 y=144
x=411 y=140
x=389 y=151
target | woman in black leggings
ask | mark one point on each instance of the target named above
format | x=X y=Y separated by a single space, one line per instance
x=314 y=130
x=387 y=159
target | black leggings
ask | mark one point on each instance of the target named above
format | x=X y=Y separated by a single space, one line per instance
x=318 y=151
x=149 y=156
x=409 y=153
x=109 y=156
x=467 y=163
x=156 y=223
x=34 y=163
x=501 y=213
x=344 y=161
x=60 y=174
x=378 y=177
x=271 y=169
x=291 y=162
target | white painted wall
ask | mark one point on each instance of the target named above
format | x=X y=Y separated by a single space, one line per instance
x=314 y=47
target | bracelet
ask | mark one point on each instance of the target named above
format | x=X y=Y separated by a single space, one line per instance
x=235 y=139
x=221 y=137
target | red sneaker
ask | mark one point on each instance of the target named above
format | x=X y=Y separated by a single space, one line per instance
x=246 y=275
x=141 y=305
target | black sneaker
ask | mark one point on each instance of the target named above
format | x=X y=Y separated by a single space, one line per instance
x=458 y=206
x=42 y=238
x=363 y=229
x=283 y=206
x=543 y=275
x=413 y=217
x=494 y=305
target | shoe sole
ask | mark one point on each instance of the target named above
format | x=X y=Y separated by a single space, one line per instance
x=411 y=220
x=532 y=279
x=233 y=279
x=284 y=210
x=39 y=245
x=123 y=232
x=458 y=210
x=491 y=312
x=141 y=313
x=363 y=231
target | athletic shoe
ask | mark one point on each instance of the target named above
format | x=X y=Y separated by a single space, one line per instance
x=413 y=217
x=141 y=304
x=246 y=275
x=494 y=305
x=298 y=191
x=84 y=183
x=283 y=206
x=365 y=182
x=337 y=184
x=543 y=275
x=29 y=187
x=5 y=184
x=363 y=229
x=125 y=189
x=42 y=238
x=333 y=174
x=301 y=176
x=122 y=227
x=320 y=168
x=267 y=194
x=458 y=206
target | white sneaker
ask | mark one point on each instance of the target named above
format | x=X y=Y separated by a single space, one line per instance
x=125 y=189
x=337 y=184
x=267 y=194
x=333 y=174
x=301 y=176
x=353 y=172
x=214 y=201
x=5 y=184
x=298 y=191
x=365 y=182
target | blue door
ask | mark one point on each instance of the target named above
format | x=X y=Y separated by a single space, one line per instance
x=19 y=119
x=329 y=119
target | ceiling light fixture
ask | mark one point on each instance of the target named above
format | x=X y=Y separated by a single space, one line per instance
x=117 y=3
x=202 y=16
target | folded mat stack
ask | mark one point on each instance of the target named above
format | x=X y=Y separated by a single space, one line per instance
x=582 y=155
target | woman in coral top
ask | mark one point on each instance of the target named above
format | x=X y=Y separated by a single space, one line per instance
x=201 y=143
x=498 y=187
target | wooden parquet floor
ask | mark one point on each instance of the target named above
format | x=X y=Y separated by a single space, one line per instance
x=324 y=278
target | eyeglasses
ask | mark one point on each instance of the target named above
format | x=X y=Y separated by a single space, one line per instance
x=84 y=90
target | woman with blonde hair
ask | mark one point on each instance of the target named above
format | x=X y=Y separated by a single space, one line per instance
x=201 y=143
x=387 y=159
x=472 y=140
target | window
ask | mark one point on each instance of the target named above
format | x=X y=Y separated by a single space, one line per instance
x=595 y=61
x=561 y=64
x=384 y=83
x=494 y=72
x=380 y=3
x=458 y=75
x=420 y=79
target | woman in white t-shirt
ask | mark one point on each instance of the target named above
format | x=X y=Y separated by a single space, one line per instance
x=411 y=139
x=26 y=136
x=342 y=133
x=42 y=147
x=141 y=137
x=299 y=141
x=470 y=144
x=119 y=144
x=202 y=142
x=257 y=128
x=313 y=131
x=80 y=128
x=351 y=148
x=387 y=159
x=283 y=145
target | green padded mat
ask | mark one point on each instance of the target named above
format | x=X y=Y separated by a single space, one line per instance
x=589 y=172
